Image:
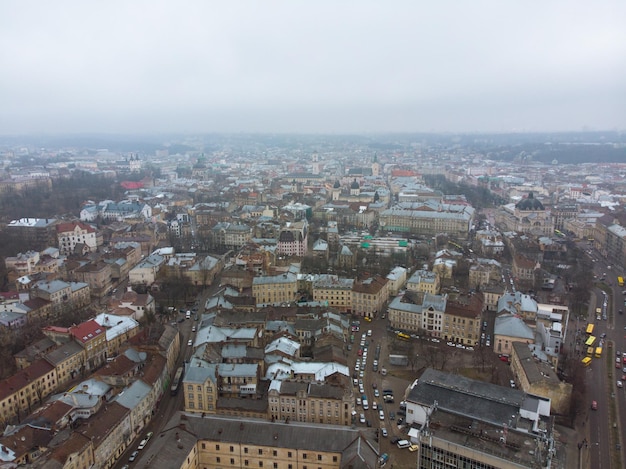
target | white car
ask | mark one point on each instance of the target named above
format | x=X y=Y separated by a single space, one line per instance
x=384 y=432
x=620 y=384
x=190 y=342
x=362 y=418
x=375 y=405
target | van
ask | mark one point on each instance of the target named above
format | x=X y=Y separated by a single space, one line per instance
x=403 y=444
x=188 y=315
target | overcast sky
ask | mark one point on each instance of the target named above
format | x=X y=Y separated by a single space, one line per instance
x=311 y=66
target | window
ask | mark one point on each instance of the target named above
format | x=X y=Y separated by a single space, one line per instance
x=334 y=458
x=217 y=459
x=245 y=450
x=217 y=447
x=232 y=448
x=303 y=455
x=232 y=461
x=288 y=454
x=319 y=457
x=274 y=453
x=203 y=445
x=260 y=451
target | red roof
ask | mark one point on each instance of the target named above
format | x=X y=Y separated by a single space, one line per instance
x=131 y=184
x=71 y=226
x=24 y=378
x=402 y=172
x=87 y=331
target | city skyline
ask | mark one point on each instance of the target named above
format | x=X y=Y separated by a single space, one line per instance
x=321 y=67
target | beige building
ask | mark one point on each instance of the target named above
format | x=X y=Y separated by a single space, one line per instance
x=509 y=329
x=97 y=275
x=424 y=281
x=69 y=360
x=428 y=221
x=200 y=387
x=369 y=296
x=335 y=291
x=216 y=442
x=462 y=320
x=273 y=289
x=527 y=216
x=76 y=233
x=26 y=389
x=310 y=402
x=524 y=268
x=418 y=312
x=536 y=377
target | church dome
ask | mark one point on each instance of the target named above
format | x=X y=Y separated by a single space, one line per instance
x=336 y=185
x=354 y=185
x=529 y=203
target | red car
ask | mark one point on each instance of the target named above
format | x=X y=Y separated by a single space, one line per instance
x=594 y=405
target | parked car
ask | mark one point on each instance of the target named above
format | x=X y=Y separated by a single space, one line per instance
x=133 y=456
x=384 y=432
x=594 y=405
x=145 y=441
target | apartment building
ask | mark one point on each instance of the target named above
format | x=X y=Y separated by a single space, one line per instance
x=424 y=281
x=462 y=320
x=214 y=442
x=76 y=233
x=27 y=388
x=275 y=289
x=293 y=239
x=310 y=402
x=369 y=296
x=334 y=291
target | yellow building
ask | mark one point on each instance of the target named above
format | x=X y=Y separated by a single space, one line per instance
x=310 y=402
x=369 y=296
x=273 y=289
x=462 y=320
x=424 y=281
x=216 y=442
x=27 y=388
x=334 y=291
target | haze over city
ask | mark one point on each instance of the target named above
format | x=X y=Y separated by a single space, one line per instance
x=312 y=67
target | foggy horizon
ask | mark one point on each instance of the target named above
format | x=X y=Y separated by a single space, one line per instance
x=311 y=68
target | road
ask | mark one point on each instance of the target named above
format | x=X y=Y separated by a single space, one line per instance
x=398 y=457
x=169 y=404
x=604 y=430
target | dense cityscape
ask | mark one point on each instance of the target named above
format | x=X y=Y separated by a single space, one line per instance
x=320 y=301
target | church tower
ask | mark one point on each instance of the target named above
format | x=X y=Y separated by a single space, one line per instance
x=336 y=190
x=375 y=166
x=355 y=188
x=315 y=163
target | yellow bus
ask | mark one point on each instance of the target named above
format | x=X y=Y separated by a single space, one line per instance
x=590 y=341
x=589 y=329
x=403 y=336
x=586 y=361
x=598 y=352
x=620 y=281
